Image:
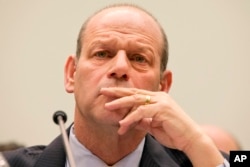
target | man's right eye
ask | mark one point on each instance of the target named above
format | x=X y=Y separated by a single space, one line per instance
x=102 y=54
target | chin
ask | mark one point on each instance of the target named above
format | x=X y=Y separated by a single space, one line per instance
x=113 y=117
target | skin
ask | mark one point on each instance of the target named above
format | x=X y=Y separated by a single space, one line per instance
x=119 y=65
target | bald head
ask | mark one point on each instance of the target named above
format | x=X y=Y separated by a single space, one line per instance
x=125 y=17
x=222 y=139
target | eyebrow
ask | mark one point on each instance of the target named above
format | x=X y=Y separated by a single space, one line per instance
x=136 y=46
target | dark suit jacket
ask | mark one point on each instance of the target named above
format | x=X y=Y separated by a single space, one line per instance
x=53 y=155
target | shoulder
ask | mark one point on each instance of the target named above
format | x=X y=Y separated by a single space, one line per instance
x=155 y=152
x=24 y=157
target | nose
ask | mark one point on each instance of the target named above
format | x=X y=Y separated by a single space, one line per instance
x=119 y=66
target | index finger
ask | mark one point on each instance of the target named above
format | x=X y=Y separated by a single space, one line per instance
x=121 y=92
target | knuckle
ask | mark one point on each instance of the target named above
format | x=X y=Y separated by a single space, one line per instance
x=136 y=97
x=134 y=90
x=141 y=109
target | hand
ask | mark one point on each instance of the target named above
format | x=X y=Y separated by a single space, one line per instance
x=160 y=116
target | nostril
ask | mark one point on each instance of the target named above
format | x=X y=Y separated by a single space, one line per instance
x=112 y=75
x=119 y=77
x=125 y=77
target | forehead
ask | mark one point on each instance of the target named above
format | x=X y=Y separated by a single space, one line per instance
x=127 y=20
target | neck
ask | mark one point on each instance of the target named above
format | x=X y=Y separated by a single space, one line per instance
x=104 y=141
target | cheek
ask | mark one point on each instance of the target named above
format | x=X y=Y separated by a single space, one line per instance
x=149 y=81
x=86 y=88
x=87 y=78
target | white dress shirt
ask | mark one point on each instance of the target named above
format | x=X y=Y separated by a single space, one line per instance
x=85 y=158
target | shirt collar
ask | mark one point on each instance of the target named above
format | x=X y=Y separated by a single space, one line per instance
x=83 y=157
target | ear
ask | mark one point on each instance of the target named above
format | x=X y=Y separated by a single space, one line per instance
x=166 y=81
x=69 y=73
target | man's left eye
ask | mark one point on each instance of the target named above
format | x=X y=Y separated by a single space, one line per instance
x=138 y=58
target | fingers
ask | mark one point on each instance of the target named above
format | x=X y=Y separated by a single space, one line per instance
x=121 y=92
x=142 y=116
x=142 y=102
x=128 y=102
x=127 y=97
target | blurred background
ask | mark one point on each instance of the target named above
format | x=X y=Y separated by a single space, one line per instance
x=209 y=56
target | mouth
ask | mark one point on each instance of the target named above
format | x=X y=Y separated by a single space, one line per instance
x=107 y=98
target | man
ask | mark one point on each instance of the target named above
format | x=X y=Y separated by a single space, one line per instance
x=121 y=83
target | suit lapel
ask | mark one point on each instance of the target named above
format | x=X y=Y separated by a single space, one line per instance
x=54 y=155
x=154 y=155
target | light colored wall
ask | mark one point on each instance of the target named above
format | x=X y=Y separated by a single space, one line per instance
x=209 y=55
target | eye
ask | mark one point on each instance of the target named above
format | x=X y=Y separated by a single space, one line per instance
x=102 y=54
x=138 y=58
